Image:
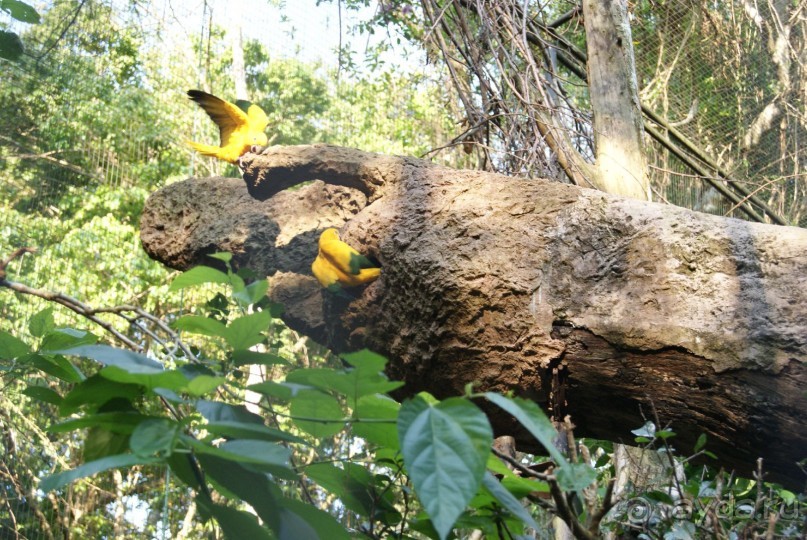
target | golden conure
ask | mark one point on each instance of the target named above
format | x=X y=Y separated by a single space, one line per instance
x=338 y=265
x=241 y=126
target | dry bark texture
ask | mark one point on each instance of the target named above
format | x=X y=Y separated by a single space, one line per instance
x=613 y=304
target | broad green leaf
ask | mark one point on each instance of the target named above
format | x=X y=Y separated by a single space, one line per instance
x=10 y=45
x=507 y=500
x=58 y=366
x=534 y=419
x=214 y=411
x=238 y=524
x=97 y=390
x=365 y=359
x=43 y=393
x=247 y=357
x=12 y=347
x=101 y=442
x=119 y=422
x=172 y=380
x=246 y=451
x=112 y=356
x=65 y=338
x=237 y=482
x=519 y=486
x=252 y=293
x=20 y=11
x=575 y=476
x=41 y=322
x=242 y=430
x=197 y=276
x=353 y=383
x=316 y=413
x=154 y=438
x=283 y=391
x=246 y=331
x=355 y=487
x=58 y=480
x=224 y=256
x=377 y=407
x=301 y=521
x=203 y=384
x=445 y=448
x=198 y=324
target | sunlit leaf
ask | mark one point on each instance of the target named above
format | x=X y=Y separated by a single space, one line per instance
x=197 y=276
x=445 y=448
x=43 y=393
x=11 y=347
x=41 y=322
x=154 y=438
x=246 y=357
x=58 y=480
x=246 y=331
x=198 y=324
x=316 y=413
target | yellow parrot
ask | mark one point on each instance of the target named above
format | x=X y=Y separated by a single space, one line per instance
x=241 y=126
x=338 y=265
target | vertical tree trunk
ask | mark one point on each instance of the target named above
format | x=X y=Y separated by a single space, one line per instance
x=618 y=131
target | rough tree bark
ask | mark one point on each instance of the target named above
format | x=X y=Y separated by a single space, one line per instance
x=618 y=305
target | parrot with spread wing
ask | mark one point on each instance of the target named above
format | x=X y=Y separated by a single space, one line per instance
x=338 y=265
x=241 y=126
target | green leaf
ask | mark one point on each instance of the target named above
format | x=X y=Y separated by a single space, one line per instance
x=507 y=500
x=203 y=384
x=575 y=476
x=252 y=293
x=250 y=431
x=58 y=366
x=311 y=404
x=100 y=443
x=58 y=480
x=301 y=521
x=41 y=322
x=214 y=411
x=123 y=422
x=112 y=356
x=365 y=359
x=221 y=256
x=198 y=324
x=65 y=338
x=533 y=418
x=12 y=347
x=43 y=393
x=352 y=383
x=250 y=451
x=356 y=489
x=700 y=443
x=20 y=11
x=246 y=331
x=172 y=380
x=97 y=390
x=154 y=438
x=377 y=407
x=246 y=357
x=445 y=448
x=237 y=482
x=10 y=46
x=237 y=524
x=282 y=391
x=197 y=276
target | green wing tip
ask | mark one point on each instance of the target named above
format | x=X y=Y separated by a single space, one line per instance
x=243 y=104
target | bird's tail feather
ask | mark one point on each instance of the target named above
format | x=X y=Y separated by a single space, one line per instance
x=204 y=149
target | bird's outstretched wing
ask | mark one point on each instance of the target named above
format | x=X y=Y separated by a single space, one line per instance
x=225 y=115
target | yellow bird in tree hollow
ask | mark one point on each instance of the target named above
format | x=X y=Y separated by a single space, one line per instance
x=241 y=126
x=338 y=265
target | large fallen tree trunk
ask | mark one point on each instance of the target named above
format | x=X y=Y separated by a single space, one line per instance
x=556 y=292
